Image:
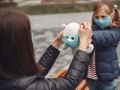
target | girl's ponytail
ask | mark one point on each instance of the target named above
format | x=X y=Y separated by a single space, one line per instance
x=117 y=16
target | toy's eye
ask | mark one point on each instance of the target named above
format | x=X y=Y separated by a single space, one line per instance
x=67 y=37
x=72 y=38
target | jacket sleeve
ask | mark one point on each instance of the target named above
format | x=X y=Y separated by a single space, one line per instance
x=48 y=58
x=106 y=38
x=71 y=79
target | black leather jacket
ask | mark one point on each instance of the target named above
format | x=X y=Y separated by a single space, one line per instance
x=37 y=82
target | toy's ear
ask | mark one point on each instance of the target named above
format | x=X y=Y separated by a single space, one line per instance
x=64 y=25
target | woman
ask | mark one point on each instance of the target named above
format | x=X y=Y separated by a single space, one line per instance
x=18 y=70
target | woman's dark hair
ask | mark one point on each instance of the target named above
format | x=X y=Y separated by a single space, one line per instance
x=99 y=4
x=16 y=48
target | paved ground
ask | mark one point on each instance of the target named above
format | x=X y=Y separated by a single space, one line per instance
x=45 y=28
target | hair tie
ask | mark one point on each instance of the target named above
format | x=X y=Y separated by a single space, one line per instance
x=115 y=6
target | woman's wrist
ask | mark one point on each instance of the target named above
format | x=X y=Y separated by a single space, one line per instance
x=83 y=45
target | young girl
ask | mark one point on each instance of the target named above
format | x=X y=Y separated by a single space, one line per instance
x=106 y=36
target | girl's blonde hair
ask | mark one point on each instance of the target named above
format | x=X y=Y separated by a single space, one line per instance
x=110 y=10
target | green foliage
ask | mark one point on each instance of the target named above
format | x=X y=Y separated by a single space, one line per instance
x=65 y=8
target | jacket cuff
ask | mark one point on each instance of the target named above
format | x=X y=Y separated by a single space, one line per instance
x=49 y=56
x=83 y=57
x=53 y=48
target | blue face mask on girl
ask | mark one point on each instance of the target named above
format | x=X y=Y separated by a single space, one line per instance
x=104 y=22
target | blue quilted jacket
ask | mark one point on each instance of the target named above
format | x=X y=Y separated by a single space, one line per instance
x=106 y=42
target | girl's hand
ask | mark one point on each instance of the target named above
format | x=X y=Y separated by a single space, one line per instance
x=85 y=35
x=58 y=40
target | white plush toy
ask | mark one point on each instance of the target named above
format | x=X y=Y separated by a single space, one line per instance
x=71 y=37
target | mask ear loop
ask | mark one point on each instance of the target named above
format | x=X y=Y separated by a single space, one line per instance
x=115 y=6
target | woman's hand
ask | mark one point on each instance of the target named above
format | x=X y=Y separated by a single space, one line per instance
x=58 y=40
x=85 y=35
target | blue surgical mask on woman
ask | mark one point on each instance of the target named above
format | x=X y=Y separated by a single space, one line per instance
x=104 y=22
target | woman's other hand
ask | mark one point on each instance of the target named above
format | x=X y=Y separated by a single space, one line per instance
x=85 y=35
x=58 y=40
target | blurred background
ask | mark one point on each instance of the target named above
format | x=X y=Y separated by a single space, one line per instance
x=47 y=17
x=50 y=6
